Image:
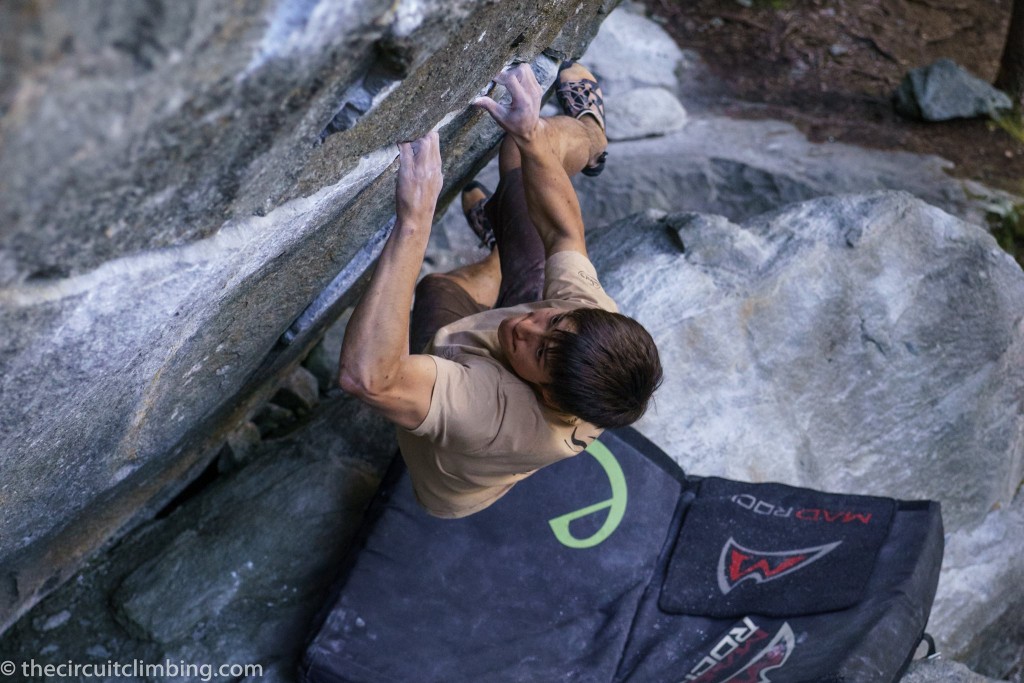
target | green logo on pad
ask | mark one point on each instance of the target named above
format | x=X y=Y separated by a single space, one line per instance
x=616 y=505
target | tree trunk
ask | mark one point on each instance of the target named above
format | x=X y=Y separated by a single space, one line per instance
x=1011 y=66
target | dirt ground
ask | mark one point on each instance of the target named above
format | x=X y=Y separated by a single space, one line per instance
x=830 y=67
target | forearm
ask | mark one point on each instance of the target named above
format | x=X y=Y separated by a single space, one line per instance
x=550 y=197
x=377 y=335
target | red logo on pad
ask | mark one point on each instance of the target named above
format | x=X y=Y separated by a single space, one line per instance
x=737 y=563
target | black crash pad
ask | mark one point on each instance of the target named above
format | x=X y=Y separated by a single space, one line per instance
x=597 y=569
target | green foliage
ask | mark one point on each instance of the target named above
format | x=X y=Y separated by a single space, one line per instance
x=1006 y=218
x=1012 y=121
x=1006 y=223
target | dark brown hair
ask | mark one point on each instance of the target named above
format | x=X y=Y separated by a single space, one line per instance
x=604 y=369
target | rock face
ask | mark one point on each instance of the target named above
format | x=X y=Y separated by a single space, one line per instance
x=180 y=180
x=740 y=169
x=944 y=91
x=942 y=671
x=235 y=573
x=631 y=52
x=643 y=113
x=977 y=612
x=848 y=343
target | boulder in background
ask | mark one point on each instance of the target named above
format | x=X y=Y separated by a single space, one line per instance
x=945 y=90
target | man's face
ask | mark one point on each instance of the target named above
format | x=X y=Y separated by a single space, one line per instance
x=524 y=339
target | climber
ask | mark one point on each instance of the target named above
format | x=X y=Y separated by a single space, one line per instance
x=526 y=359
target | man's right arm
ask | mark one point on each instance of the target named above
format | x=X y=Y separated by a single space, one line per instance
x=550 y=197
x=375 y=363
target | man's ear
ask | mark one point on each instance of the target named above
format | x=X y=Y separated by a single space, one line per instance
x=545 y=397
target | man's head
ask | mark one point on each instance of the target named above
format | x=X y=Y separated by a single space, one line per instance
x=588 y=362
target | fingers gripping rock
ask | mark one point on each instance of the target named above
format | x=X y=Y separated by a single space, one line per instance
x=419 y=178
x=519 y=117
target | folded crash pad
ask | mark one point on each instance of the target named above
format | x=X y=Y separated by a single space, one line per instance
x=616 y=566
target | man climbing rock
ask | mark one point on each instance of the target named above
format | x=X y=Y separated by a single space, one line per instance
x=524 y=358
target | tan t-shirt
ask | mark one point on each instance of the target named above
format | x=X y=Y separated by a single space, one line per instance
x=486 y=429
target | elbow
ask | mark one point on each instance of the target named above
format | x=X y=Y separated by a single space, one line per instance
x=360 y=385
x=350 y=384
x=354 y=384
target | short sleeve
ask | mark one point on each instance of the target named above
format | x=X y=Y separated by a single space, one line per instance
x=486 y=419
x=465 y=405
x=570 y=276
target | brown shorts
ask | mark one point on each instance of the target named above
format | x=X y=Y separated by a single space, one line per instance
x=440 y=302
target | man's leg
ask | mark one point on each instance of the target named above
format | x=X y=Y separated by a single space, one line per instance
x=443 y=298
x=440 y=300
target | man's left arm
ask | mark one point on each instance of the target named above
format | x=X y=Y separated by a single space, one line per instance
x=375 y=363
x=550 y=198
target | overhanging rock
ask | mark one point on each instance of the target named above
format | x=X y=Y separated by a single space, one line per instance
x=180 y=181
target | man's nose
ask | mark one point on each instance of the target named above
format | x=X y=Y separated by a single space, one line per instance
x=531 y=328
